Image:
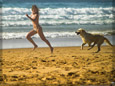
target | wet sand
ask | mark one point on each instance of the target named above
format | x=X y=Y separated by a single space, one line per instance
x=67 y=66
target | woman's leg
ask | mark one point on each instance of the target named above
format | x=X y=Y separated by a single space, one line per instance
x=40 y=32
x=31 y=33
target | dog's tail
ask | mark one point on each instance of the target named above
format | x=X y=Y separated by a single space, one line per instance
x=107 y=41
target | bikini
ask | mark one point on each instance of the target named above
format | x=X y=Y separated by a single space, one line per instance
x=38 y=27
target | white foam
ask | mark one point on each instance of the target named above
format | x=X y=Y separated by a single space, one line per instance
x=56 y=16
x=47 y=34
x=14 y=11
x=22 y=35
x=61 y=11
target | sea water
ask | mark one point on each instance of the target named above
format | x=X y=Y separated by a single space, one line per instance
x=58 y=18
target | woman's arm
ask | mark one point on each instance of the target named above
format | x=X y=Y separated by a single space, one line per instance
x=32 y=18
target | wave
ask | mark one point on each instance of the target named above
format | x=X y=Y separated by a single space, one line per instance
x=60 y=11
x=47 y=34
x=57 y=16
x=52 y=22
x=20 y=35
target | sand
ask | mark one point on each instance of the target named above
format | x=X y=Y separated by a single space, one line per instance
x=67 y=66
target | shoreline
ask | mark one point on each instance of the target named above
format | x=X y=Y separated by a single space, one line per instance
x=85 y=47
x=55 y=42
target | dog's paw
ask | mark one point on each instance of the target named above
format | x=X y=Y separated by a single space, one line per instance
x=89 y=49
x=96 y=52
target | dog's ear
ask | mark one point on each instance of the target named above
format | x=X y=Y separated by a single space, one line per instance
x=82 y=30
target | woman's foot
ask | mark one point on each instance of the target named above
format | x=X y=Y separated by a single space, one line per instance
x=52 y=49
x=35 y=47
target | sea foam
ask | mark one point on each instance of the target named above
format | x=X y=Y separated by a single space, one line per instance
x=59 y=16
x=22 y=35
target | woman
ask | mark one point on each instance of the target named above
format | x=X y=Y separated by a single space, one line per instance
x=36 y=28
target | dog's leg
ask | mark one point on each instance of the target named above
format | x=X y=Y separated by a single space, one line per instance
x=92 y=46
x=89 y=44
x=98 y=48
x=99 y=45
x=82 y=46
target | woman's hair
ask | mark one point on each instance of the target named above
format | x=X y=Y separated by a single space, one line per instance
x=34 y=7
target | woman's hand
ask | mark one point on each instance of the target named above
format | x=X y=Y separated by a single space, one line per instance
x=30 y=17
x=27 y=15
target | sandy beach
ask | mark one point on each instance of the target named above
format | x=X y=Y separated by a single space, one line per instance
x=67 y=66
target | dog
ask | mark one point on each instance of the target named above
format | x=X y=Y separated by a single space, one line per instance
x=89 y=38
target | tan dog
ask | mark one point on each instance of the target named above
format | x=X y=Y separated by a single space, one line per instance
x=91 y=38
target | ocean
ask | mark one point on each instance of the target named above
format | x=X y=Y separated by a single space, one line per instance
x=58 y=18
